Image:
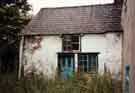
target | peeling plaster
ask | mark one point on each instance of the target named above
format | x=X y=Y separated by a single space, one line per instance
x=110 y=48
x=43 y=57
x=35 y=42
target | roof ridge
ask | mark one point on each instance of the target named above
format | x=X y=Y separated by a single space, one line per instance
x=78 y=6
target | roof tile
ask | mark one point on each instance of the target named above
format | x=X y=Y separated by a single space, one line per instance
x=82 y=19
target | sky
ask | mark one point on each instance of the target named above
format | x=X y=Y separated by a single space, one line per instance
x=37 y=4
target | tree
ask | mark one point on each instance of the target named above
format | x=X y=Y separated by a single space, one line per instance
x=13 y=18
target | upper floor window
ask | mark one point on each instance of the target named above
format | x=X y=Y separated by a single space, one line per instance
x=71 y=42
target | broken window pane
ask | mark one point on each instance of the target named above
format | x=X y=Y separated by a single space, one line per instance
x=71 y=42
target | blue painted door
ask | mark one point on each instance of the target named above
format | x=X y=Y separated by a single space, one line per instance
x=66 y=66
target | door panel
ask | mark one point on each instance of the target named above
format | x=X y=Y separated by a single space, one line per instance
x=66 y=65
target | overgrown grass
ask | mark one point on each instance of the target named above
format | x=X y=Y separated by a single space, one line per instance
x=78 y=84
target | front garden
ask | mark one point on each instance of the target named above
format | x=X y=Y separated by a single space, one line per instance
x=78 y=84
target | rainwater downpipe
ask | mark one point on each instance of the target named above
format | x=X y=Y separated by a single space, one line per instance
x=20 y=57
x=126 y=78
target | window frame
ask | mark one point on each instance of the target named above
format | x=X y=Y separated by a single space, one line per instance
x=64 y=40
x=88 y=58
x=60 y=57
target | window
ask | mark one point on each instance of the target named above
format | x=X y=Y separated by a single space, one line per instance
x=71 y=42
x=88 y=62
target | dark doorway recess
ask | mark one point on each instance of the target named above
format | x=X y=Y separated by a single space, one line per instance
x=7 y=58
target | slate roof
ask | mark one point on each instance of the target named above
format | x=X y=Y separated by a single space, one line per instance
x=81 y=19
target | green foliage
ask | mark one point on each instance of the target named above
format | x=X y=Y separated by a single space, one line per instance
x=83 y=84
x=13 y=18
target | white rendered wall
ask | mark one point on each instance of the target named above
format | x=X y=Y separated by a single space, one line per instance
x=110 y=48
x=44 y=58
